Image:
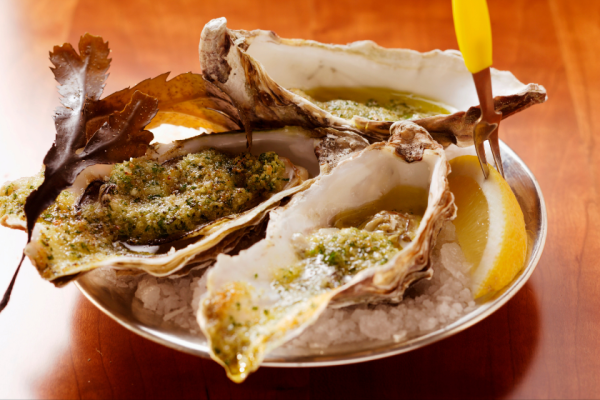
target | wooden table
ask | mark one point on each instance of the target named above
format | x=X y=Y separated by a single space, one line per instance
x=545 y=343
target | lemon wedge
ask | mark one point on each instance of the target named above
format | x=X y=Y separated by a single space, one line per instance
x=489 y=225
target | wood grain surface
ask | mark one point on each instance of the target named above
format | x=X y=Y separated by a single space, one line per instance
x=545 y=343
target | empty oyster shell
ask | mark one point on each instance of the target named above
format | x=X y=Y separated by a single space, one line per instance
x=272 y=291
x=255 y=68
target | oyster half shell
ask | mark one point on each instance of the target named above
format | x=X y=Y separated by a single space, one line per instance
x=311 y=153
x=256 y=67
x=245 y=315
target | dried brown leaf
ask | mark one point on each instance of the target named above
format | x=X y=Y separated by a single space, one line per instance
x=82 y=78
x=121 y=136
x=186 y=100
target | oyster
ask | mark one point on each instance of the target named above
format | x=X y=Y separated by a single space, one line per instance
x=256 y=68
x=303 y=154
x=362 y=233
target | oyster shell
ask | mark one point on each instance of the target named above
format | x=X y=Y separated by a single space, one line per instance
x=256 y=68
x=313 y=152
x=247 y=312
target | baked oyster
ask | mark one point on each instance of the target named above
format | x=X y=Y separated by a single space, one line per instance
x=361 y=234
x=176 y=207
x=264 y=76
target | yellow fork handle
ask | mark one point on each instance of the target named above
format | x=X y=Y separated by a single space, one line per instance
x=473 y=32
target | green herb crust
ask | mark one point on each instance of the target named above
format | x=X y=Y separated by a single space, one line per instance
x=240 y=328
x=332 y=257
x=142 y=201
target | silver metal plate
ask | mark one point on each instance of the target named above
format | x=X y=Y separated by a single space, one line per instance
x=120 y=305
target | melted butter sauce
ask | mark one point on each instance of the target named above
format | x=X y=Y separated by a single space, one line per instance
x=374 y=103
x=402 y=199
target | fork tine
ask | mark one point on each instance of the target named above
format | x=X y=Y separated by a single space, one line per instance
x=495 y=146
x=479 y=138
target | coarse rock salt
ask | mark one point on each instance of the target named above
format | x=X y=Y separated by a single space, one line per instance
x=175 y=299
x=429 y=305
x=148 y=292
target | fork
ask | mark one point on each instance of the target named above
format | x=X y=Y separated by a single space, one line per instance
x=474 y=35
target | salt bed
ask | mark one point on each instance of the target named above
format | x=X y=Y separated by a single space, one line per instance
x=428 y=305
